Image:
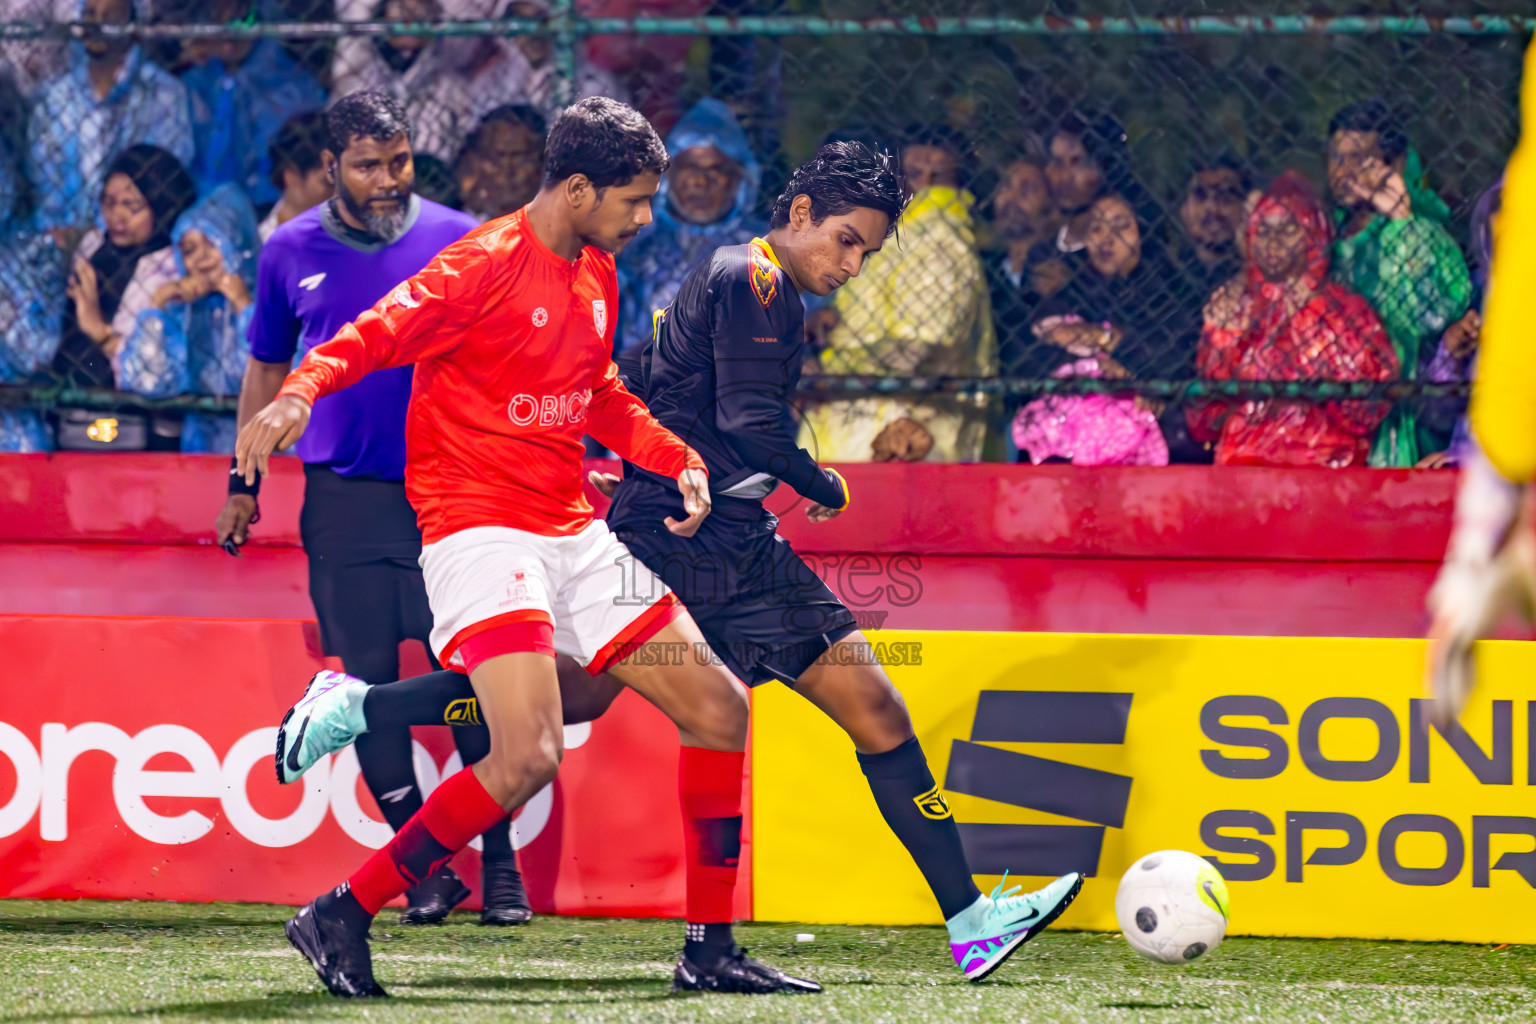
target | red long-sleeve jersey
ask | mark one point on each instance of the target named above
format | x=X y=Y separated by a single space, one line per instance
x=512 y=346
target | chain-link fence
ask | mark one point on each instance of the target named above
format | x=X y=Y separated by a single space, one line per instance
x=1105 y=258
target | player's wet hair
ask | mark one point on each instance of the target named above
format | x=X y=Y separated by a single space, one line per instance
x=609 y=142
x=845 y=176
x=1374 y=115
x=365 y=114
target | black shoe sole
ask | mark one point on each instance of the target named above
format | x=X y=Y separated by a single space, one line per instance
x=307 y=941
x=679 y=987
x=277 y=755
x=505 y=917
x=435 y=912
x=282 y=733
x=307 y=944
x=1035 y=929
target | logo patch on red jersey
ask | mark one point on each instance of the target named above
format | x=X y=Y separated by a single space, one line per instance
x=765 y=277
x=600 y=315
x=540 y=317
x=402 y=296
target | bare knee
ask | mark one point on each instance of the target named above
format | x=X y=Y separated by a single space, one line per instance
x=513 y=773
x=719 y=717
x=863 y=700
x=885 y=704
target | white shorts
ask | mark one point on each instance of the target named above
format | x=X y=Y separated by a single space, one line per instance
x=586 y=594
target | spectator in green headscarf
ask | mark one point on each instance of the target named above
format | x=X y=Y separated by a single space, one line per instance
x=1393 y=247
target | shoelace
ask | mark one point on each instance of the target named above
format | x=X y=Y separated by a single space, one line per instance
x=999 y=896
x=338 y=733
x=333 y=724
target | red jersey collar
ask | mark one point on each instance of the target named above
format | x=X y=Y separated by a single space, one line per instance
x=525 y=229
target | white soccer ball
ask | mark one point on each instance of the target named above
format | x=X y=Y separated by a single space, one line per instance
x=1172 y=907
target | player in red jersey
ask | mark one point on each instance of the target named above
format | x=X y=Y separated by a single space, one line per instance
x=510 y=330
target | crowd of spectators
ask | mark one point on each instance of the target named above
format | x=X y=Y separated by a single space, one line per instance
x=134 y=202
x=132 y=210
x=1086 y=277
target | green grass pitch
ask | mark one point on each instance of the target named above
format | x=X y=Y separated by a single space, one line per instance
x=99 y=961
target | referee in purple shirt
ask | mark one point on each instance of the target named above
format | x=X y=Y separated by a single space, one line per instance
x=319 y=271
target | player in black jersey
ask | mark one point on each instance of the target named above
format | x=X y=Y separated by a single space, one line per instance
x=720 y=371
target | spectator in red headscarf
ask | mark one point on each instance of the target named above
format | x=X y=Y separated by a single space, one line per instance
x=1283 y=319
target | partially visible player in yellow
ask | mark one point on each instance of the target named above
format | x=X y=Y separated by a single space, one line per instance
x=1490 y=566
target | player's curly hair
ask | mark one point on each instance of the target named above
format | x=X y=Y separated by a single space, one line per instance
x=844 y=176
x=365 y=114
x=607 y=141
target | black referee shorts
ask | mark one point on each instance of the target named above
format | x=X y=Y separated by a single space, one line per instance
x=764 y=612
x=363 y=544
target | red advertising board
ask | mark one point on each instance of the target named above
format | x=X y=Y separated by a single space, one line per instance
x=135 y=762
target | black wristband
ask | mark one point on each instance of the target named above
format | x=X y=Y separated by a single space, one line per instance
x=829 y=489
x=237 y=484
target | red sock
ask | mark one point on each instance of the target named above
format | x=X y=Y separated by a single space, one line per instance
x=456 y=812
x=709 y=789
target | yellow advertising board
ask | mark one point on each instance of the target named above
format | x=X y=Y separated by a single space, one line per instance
x=1300 y=765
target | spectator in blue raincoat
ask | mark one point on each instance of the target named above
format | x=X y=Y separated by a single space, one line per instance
x=31 y=279
x=242 y=90
x=108 y=98
x=202 y=316
x=706 y=200
x=119 y=271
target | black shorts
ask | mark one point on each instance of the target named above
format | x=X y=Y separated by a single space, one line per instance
x=765 y=613
x=363 y=544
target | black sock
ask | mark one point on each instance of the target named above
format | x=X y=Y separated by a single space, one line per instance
x=341 y=906
x=385 y=757
x=437 y=698
x=474 y=742
x=912 y=806
x=708 y=945
x=384 y=753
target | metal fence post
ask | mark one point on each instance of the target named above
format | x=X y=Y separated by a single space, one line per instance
x=562 y=19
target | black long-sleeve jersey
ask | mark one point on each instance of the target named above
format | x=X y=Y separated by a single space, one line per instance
x=720 y=371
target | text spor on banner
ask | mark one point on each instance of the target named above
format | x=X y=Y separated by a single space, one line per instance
x=1300 y=766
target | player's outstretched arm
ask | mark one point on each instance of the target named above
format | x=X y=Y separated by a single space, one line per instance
x=621 y=422
x=277 y=426
x=424 y=316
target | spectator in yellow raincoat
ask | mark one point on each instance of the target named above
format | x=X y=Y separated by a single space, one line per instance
x=918 y=309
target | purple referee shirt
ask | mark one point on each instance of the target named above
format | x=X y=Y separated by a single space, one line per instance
x=314 y=277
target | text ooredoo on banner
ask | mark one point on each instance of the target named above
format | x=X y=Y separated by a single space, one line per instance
x=135 y=763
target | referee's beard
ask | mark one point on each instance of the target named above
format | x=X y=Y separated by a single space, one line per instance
x=383 y=215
